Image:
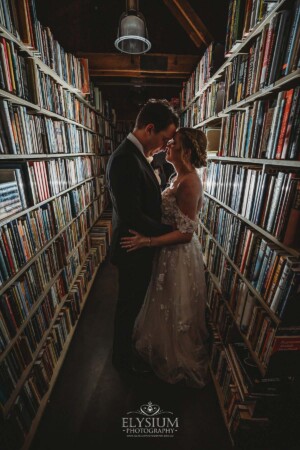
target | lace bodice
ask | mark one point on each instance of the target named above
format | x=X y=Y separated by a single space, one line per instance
x=172 y=214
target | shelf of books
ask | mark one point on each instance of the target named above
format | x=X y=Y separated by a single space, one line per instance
x=108 y=123
x=123 y=128
x=249 y=108
x=56 y=135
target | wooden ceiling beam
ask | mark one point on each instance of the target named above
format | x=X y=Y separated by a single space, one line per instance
x=190 y=21
x=154 y=65
x=138 y=74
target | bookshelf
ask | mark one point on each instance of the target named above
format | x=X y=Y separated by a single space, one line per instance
x=58 y=367
x=269 y=236
x=248 y=226
x=263 y=162
x=221 y=402
x=54 y=222
x=236 y=49
x=123 y=128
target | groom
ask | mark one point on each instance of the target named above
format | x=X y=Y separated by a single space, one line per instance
x=136 y=200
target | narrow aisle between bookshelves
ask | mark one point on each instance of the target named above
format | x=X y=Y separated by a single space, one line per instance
x=89 y=399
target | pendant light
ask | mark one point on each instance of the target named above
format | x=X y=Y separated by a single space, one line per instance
x=132 y=33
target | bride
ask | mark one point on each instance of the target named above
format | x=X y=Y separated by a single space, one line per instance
x=170 y=330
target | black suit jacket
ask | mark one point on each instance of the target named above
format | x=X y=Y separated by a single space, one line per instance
x=136 y=200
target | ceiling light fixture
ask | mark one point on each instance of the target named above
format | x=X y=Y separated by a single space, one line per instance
x=132 y=32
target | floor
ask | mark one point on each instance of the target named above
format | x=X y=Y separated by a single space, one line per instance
x=90 y=399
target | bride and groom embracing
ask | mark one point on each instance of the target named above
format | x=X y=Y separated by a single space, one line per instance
x=160 y=314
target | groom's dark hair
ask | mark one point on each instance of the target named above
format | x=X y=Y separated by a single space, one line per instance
x=158 y=112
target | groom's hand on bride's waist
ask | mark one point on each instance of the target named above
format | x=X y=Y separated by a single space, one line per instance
x=131 y=243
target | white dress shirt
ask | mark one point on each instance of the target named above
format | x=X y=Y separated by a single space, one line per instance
x=149 y=159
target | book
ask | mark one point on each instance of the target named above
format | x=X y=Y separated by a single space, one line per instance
x=256 y=384
x=12 y=194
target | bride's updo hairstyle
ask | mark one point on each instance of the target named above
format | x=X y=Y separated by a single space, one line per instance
x=194 y=140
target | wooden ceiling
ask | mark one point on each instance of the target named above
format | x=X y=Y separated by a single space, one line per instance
x=179 y=31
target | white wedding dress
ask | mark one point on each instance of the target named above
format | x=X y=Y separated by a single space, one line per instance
x=170 y=330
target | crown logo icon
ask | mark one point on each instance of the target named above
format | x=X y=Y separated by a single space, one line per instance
x=150 y=409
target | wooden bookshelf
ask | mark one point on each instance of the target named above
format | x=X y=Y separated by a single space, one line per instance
x=292 y=77
x=251 y=288
x=123 y=127
x=196 y=108
x=19 y=101
x=32 y=312
x=46 y=156
x=255 y=227
x=48 y=113
x=45 y=112
x=264 y=162
x=211 y=120
x=47 y=300
x=43 y=67
x=31 y=208
x=47 y=70
x=45 y=399
x=221 y=403
x=276 y=86
x=260 y=366
x=25 y=374
x=237 y=49
x=42 y=249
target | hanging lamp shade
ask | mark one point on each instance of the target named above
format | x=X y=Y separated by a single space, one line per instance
x=132 y=33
